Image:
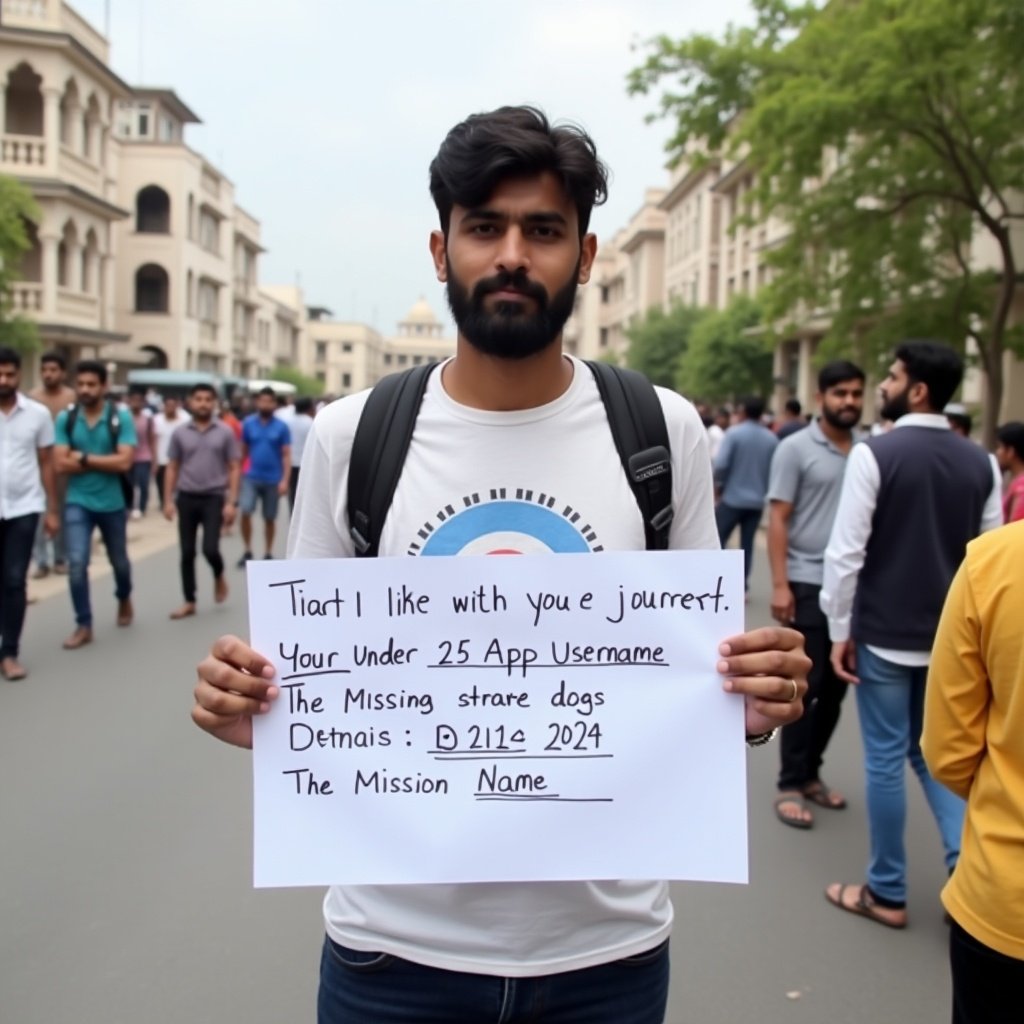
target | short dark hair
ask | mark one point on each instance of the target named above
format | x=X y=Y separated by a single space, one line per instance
x=53 y=357
x=10 y=357
x=1011 y=435
x=202 y=386
x=836 y=372
x=935 y=365
x=515 y=142
x=268 y=390
x=753 y=407
x=92 y=366
x=303 y=404
x=136 y=391
x=793 y=406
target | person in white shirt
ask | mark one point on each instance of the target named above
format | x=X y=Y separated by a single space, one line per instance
x=299 y=423
x=911 y=501
x=165 y=423
x=27 y=490
x=509 y=411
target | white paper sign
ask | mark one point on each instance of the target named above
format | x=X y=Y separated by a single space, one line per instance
x=481 y=719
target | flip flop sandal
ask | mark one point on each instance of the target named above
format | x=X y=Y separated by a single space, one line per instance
x=792 y=798
x=863 y=907
x=818 y=793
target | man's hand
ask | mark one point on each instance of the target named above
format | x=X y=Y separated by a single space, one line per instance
x=783 y=604
x=234 y=684
x=169 y=511
x=844 y=661
x=763 y=665
x=51 y=524
x=282 y=488
x=228 y=516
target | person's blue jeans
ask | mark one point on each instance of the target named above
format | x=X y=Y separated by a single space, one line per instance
x=15 y=552
x=377 y=988
x=890 y=702
x=141 y=472
x=728 y=518
x=79 y=522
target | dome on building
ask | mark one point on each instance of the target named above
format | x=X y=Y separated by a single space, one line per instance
x=421 y=313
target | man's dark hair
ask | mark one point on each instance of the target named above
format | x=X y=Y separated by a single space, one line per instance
x=963 y=420
x=753 y=407
x=935 y=365
x=92 y=366
x=515 y=142
x=1011 y=435
x=136 y=390
x=53 y=357
x=267 y=391
x=303 y=404
x=793 y=406
x=196 y=388
x=838 y=371
x=9 y=357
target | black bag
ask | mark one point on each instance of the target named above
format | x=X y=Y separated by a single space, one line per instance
x=388 y=419
x=114 y=426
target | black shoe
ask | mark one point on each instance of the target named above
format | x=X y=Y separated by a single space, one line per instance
x=245 y=558
x=268 y=557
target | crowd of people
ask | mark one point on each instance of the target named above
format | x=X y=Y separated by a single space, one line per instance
x=76 y=461
x=889 y=561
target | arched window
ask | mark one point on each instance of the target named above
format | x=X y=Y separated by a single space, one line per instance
x=190 y=295
x=91 y=130
x=32 y=260
x=152 y=289
x=66 y=253
x=70 y=108
x=153 y=210
x=90 y=254
x=23 y=102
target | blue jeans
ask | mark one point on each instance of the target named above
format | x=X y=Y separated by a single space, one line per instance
x=79 y=523
x=747 y=519
x=377 y=988
x=140 y=484
x=890 y=701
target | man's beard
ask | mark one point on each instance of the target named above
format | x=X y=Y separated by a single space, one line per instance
x=843 y=419
x=90 y=400
x=6 y=392
x=509 y=332
x=896 y=407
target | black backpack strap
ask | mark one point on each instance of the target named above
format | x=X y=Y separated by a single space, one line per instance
x=69 y=425
x=637 y=422
x=381 y=440
x=113 y=424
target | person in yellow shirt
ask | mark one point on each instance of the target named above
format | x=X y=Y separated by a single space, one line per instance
x=972 y=742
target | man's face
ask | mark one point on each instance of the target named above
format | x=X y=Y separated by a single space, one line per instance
x=51 y=375
x=135 y=403
x=512 y=266
x=265 y=406
x=170 y=408
x=203 y=403
x=843 y=404
x=89 y=389
x=895 y=391
x=1004 y=456
x=10 y=380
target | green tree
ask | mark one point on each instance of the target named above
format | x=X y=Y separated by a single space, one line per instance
x=17 y=207
x=888 y=135
x=305 y=385
x=728 y=356
x=659 y=341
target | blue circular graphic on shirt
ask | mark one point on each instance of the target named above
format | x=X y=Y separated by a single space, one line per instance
x=506 y=527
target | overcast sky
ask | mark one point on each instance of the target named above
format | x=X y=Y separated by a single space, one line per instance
x=326 y=113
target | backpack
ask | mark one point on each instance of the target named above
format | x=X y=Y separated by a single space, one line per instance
x=388 y=419
x=114 y=426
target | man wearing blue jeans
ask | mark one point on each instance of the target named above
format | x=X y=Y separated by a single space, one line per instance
x=742 y=467
x=911 y=501
x=94 y=447
x=266 y=445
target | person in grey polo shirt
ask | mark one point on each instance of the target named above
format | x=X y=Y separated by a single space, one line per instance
x=203 y=467
x=806 y=479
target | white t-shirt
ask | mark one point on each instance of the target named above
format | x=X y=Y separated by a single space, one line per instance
x=533 y=481
x=162 y=429
x=26 y=429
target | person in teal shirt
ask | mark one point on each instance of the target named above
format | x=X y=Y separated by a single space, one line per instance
x=94 y=453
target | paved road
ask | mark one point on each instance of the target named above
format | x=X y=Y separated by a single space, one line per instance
x=125 y=859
